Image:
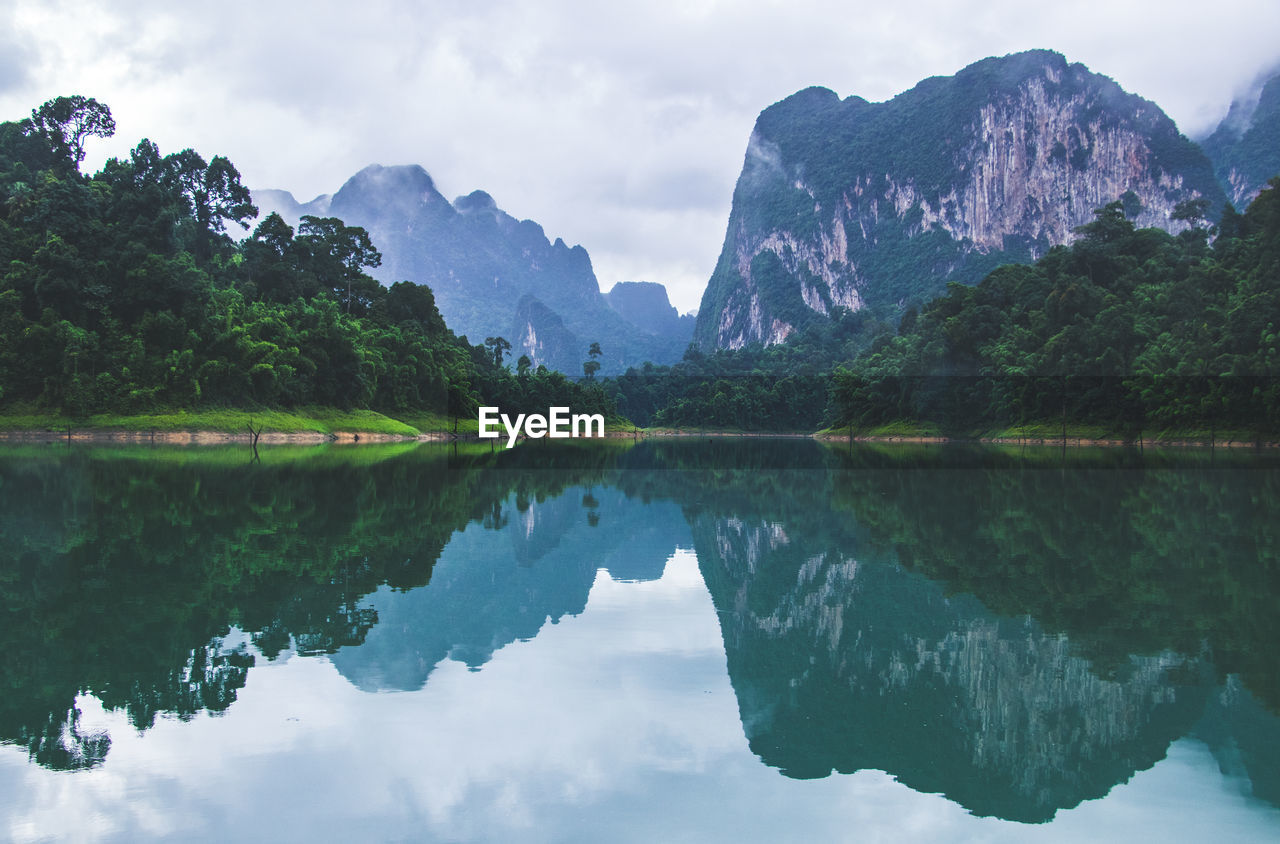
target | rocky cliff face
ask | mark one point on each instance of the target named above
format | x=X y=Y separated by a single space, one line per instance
x=850 y=204
x=540 y=333
x=1244 y=147
x=480 y=261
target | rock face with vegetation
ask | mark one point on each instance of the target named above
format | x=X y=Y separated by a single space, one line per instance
x=481 y=262
x=645 y=305
x=846 y=204
x=1243 y=148
x=539 y=333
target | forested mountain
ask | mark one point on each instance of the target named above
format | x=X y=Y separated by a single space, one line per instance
x=122 y=292
x=1244 y=147
x=847 y=204
x=1132 y=330
x=1127 y=332
x=481 y=262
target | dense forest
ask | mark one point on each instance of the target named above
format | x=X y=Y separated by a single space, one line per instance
x=1128 y=331
x=122 y=292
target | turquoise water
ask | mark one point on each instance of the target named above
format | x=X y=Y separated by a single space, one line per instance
x=728 y=640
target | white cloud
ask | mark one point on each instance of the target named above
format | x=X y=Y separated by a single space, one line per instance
x=621 y=127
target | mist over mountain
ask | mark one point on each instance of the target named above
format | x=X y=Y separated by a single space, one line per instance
x=1244 y=147
x=483 y=265
x=847 y=204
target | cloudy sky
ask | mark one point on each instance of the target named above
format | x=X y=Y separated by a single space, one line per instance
x=618 y=126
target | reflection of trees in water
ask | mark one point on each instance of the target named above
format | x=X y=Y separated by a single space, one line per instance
x=1122 y=560
x=126 y=575
x=119 y=576
x=843 y=664
x=1117 y=617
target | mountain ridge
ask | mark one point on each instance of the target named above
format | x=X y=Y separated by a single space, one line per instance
x=847 y=204
x=482 y=263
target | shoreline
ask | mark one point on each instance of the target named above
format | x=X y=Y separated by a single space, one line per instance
x=210 y=437
x=1073 y=442
x=206 y=436
x=196 y=436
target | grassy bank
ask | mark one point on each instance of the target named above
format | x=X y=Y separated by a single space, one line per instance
x=324 y=421
x=313 y=421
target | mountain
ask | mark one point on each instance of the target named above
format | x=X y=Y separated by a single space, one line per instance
x=645 y=305
x=1243 y=148
x=481 y=262
x=859 y=205
x=282 y=202
x=540 y=333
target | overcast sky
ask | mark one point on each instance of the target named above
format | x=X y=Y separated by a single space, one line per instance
x=621 y=127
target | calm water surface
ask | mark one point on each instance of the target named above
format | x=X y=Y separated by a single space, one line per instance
x=731 y=640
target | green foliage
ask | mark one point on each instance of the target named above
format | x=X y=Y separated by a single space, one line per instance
x=65 y=123
x=1131 y=330
x=121 y=294
x=776 y=388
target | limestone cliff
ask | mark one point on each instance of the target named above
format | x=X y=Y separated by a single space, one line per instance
x=850 y=204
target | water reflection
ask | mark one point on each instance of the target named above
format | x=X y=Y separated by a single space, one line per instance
x=1017 y=631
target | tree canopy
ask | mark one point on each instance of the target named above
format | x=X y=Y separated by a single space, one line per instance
x=121 y=292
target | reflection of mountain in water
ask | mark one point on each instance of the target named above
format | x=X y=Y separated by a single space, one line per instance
x=940 y=615
x=843 y=664
x=535 y=562
x=843 y=660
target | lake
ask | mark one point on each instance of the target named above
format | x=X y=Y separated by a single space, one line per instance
x=668 y=640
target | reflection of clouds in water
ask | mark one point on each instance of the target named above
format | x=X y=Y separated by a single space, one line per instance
x=617 y=724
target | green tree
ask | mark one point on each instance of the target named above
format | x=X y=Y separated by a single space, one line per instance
x=498 y=347
x=592 y=366
x=67 y=122
x=342 y=252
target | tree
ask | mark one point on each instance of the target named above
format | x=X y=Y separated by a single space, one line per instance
x=1109 y=224
x=412 y=303
x=591 y=367
x=523 y=366
x=69 y=121
x=1191 y=211
x=224 y=198
x=1131 y=203
x=342 y=252
x=213 y=191
x=274 y=234
x=498 y=347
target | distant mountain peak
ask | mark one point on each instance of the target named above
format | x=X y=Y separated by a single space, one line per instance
x=491 y=273
x=476 y=202
x=408 y=184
